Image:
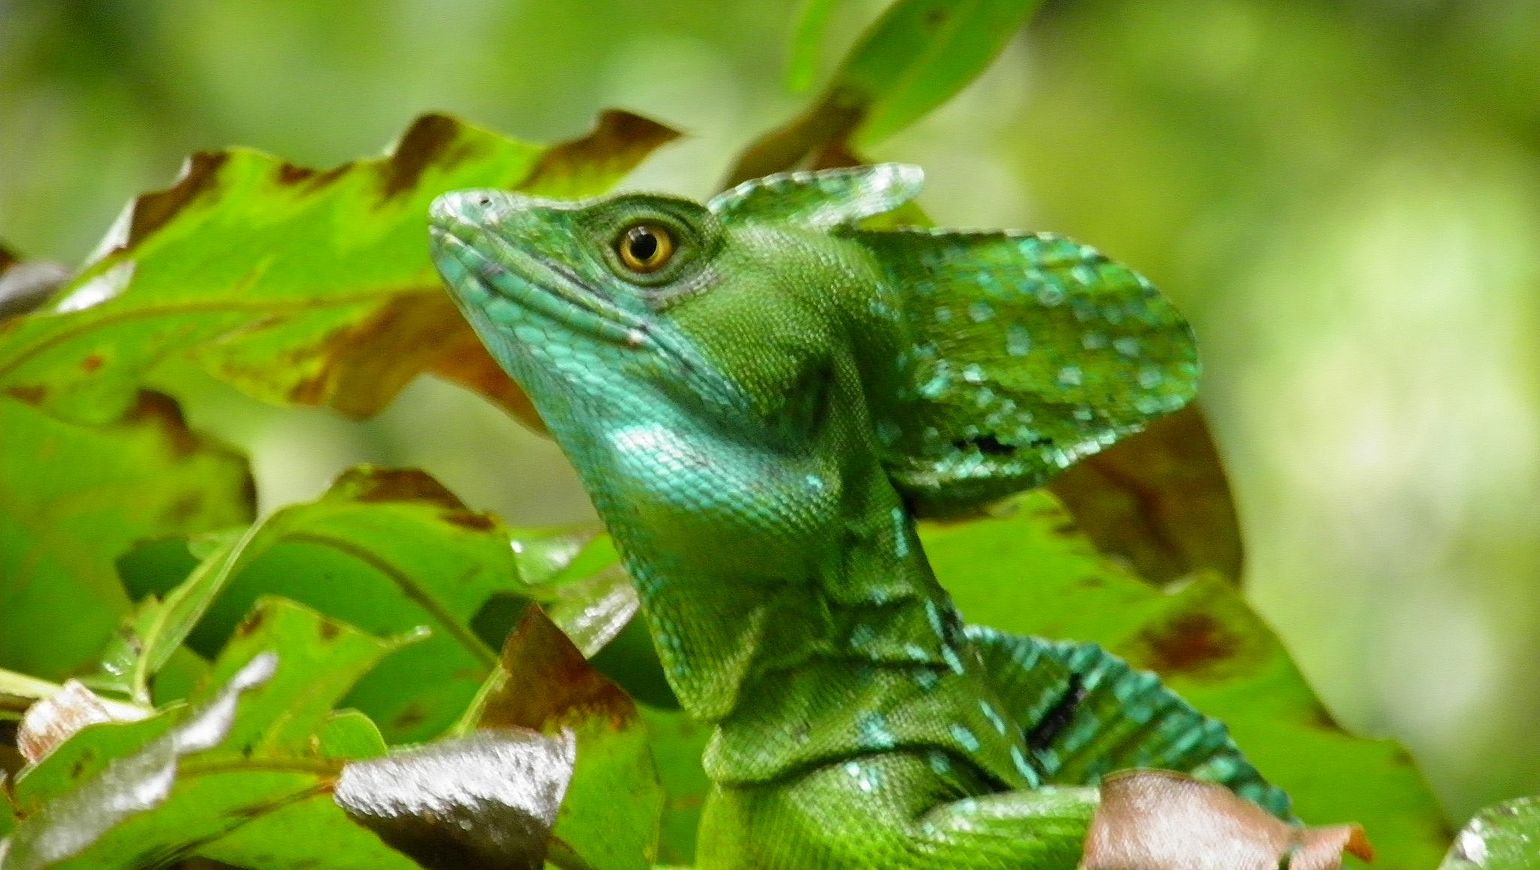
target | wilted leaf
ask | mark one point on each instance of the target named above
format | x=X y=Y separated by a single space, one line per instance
x=1158 y=499
x=1159 y=819
x=483 y=801
x=386 y=551
x=913 y=58
x=1501 y=837
x=1032 y=573
x=610 y=816
x=73 y=497
x=295 y=285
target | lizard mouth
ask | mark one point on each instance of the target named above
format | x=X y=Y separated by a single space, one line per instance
x=533 y=283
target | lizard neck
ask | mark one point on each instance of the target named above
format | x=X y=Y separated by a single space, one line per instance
x=792 y=605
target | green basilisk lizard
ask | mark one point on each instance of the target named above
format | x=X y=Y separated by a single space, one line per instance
x=760 y=396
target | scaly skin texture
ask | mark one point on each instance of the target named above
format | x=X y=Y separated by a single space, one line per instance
x=760 y=415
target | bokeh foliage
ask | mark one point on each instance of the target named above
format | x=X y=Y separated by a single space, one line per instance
x=1337 y=194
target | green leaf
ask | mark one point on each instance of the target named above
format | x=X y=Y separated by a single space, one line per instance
x=1500 y=837
x=678 y=742
x=610 y=816
x=319 y=661
x=7 y=811
x=1032 y=573
x=350 y=735
x=802 y=66
x=243 y=781
x=295 y=285
x=386 y=551
x=916 y=56
x=73 y=497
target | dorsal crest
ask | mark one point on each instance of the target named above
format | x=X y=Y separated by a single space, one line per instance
x=823 y=199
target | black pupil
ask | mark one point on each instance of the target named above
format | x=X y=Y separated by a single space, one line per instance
x=643 y=242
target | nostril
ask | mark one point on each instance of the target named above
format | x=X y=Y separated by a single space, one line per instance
x=484 y=201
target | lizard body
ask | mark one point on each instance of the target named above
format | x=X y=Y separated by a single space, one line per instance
x=760 y=397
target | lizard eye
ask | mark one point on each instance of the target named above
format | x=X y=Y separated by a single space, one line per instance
x=645 y=248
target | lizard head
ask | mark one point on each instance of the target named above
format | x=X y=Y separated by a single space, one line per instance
x=652 y=306
x=970 y=363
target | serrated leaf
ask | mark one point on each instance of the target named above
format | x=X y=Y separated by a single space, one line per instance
x=1032 y=573
x=296 y=285
x=386 y=551
x=73 y=497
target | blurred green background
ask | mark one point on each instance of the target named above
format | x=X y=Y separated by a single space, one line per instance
x=1343 y=196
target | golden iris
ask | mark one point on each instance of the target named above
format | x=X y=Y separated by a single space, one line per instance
x=645 y=248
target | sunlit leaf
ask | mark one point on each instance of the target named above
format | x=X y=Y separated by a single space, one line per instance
x=109 y=819
x=1032 y=573
x=919 y=53
x=613 y=804
x=73 y=497
x=483 y=801
x=1161 y=819
x=296 y=285
x=579 y=583
x=1501 y=837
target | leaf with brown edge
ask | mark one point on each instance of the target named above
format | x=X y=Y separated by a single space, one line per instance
x=295 y=285
x=914 y=57
x=1160 y=500
x=1151 y=819
x=614 y=802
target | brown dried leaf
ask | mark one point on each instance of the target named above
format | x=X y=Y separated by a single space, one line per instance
x=1160 y=500
x=1158 y=820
